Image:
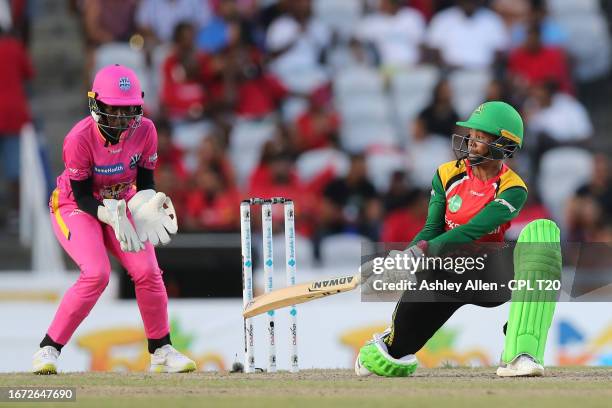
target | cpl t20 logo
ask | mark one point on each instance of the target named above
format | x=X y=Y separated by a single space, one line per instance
x=440 y=350
x=576 y=348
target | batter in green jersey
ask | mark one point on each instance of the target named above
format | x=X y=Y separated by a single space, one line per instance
x=473 y=199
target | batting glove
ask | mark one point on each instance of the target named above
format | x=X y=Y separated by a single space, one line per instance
x=154 y=216
x=114 y=214
x=403 y=269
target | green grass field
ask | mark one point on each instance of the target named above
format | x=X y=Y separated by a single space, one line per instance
x=443 y=387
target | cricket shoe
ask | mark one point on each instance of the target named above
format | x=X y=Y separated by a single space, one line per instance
x=45 y=360
x=167 y=359
x=522 y=366
x=374 y=358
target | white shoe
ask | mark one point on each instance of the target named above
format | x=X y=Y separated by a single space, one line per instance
x=522 y=366
x=360 y=370
x=44 y=360
x=167 y=359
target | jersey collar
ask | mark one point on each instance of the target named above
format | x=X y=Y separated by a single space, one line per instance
x=492 y=180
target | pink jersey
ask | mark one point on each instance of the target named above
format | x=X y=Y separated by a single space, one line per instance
x=113 y=168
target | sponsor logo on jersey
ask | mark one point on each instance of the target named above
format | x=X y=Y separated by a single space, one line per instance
x=134 y=160
x=454 y=203
x=115 y=151
x=76 y=211
x=153 y=158
x=116 y=168
x=115 y=191
x=451 y=225
x=476 y=193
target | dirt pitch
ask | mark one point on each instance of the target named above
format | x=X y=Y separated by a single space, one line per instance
x=442 y=387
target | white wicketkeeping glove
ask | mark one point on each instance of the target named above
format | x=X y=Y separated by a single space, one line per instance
x=113 y=213
x=154 y=216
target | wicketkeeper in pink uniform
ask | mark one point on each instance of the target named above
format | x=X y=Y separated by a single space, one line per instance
x=106 y=200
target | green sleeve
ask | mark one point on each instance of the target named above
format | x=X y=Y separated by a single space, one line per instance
x=434 y=225
x=504 y=208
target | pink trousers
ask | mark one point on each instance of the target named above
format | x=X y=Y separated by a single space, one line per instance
x=87 y=240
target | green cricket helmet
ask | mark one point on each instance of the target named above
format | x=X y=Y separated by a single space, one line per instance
x=498 y=119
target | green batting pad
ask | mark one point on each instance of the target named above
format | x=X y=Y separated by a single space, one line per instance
x=537 y=262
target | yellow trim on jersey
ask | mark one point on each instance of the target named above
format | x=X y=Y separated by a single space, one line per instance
x=510 y=179
x=58 y=217
x=449 y=170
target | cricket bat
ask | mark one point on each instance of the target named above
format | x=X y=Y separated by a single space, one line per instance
x=305 y=292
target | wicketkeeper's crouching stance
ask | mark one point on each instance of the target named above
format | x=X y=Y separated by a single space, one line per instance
x=106 y=200
x=474 y=199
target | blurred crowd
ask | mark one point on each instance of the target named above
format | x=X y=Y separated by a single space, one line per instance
x=348 y=106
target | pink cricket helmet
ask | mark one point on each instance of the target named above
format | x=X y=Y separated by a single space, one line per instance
x=116 y=85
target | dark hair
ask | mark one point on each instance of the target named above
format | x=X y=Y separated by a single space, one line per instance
x=436 y=91
x=357 y=156
x=162 y=125
x=538 y=5
x=179 y=29
x=551 y=85
x=535 y=28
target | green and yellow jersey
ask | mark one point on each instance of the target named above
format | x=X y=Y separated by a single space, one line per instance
x=464 y=209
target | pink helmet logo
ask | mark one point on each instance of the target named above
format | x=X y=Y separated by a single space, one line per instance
x=124 y=84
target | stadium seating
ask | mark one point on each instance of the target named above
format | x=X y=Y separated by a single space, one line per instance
x=588 y=44
x=311 y=163
x=382 y=162
x=411 y=92
x=469 y=89
x=358 y=81
x=572 y=166
x=110 y=53
x=339 y=15
x=342 y=250
x=246 y=141
x=360 y=134
x=573 y=7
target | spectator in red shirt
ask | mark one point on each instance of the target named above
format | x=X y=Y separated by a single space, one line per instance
x=318 y=126
x=276 y=176
x=211 y=155
x=186 y=72
x=166 y=180
x=248 y=88
x=20 y=17
x=535 y=63
x=425 y=7
x=531 y=211
x=15 y=70
x=406 y=210
x=212 y=204
x=168 y=154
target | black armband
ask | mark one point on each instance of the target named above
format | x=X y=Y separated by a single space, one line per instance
x=144 y=179
x=83 y=195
